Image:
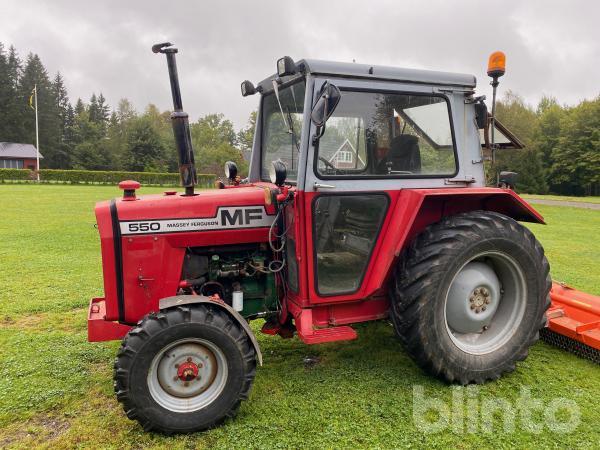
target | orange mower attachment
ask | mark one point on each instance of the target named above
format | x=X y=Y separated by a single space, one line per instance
x=573 y=321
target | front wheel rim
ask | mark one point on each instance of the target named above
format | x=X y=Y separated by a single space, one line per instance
x=485 y=303
x=187 y=375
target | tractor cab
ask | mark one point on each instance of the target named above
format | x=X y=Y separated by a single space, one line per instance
x=353 y=125
x=350 y=122
x=351 y=140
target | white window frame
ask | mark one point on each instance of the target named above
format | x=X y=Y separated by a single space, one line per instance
x=12 y=164
x=345 y=156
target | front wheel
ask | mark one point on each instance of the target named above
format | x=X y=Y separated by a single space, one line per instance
x=469 y=296
x=184 y=369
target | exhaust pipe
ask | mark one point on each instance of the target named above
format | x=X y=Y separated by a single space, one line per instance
x=179 y=119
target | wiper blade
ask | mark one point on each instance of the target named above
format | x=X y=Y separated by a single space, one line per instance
x=276 y=90
x=292 y=131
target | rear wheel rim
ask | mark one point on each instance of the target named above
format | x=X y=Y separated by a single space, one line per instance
x=485 y=303
x=187 y=375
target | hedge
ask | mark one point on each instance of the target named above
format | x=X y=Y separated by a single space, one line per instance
x=15 y=174
x=101 y=177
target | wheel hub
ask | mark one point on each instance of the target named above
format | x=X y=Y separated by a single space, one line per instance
x=473 y=298
x=188 y=370
x=479 y=299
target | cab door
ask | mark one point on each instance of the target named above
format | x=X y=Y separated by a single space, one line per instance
x=345 y=230
x=381 y=138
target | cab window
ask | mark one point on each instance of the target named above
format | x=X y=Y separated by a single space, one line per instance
x=281 y=129
x=381 y=135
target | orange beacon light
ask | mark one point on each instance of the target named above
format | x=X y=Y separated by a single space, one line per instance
x=496 y=65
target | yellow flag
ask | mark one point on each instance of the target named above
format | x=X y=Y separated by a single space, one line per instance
x=31 y=98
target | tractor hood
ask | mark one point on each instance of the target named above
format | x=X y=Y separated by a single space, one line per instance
x=141 y=234
x=218 y=209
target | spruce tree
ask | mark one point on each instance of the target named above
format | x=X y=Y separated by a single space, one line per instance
x=6 y=94
x=63 y=112
x=93 y=108
x=62 y=101
x=14 y=121
x=69 y=124
x=79 y=107
x=103 y=110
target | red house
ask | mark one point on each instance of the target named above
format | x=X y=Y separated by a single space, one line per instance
x=17 y=156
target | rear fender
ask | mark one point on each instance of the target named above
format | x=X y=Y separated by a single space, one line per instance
x=179 y=300
x=435 y=204
x=503 y=201
x=416 y=209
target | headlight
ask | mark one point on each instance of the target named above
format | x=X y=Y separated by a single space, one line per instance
x=248 y=88
x=230 y=170
x=278 y=172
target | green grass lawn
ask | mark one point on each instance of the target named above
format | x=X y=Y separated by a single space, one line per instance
x=56 y=388
x=563 y=198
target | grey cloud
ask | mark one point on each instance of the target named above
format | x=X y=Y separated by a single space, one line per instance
x=552 y=47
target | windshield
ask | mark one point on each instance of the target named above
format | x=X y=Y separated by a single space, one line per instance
x=281 y=129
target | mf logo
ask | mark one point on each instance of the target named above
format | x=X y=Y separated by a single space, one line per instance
x=241 y=217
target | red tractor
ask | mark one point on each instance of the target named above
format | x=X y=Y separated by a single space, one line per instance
x=365 y=200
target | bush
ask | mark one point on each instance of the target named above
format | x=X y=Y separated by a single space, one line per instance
x=102 y=177
x=15 y=174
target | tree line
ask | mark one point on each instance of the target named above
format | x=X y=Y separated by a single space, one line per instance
x=562 y=145
x=561 y=155
x=93 y=136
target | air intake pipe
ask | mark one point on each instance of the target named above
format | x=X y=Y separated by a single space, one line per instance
x=179 y=119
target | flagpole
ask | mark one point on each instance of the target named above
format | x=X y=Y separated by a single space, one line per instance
x=37 y=135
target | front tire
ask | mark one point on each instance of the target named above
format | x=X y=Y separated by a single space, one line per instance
x=469 y=296
x=184 y=369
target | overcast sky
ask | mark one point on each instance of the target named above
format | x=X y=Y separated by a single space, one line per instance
x=552 y=47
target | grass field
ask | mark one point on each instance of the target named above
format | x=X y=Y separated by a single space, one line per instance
x=56 y=389
x=563 y=198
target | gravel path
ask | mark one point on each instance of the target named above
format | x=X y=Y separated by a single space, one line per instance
x=584 y=205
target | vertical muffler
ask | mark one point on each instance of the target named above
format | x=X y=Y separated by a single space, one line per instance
x=179 y=119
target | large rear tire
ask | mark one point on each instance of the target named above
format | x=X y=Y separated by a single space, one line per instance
x=469 y=296
x=185 y=369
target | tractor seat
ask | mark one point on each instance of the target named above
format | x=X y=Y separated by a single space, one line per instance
x=404 y=154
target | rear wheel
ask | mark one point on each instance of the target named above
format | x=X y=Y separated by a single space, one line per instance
x=470 y=295
x=185 y=369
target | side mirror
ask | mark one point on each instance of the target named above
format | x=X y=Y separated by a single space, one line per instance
x=286 y=66
x=481 y=114
x=325 y=106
